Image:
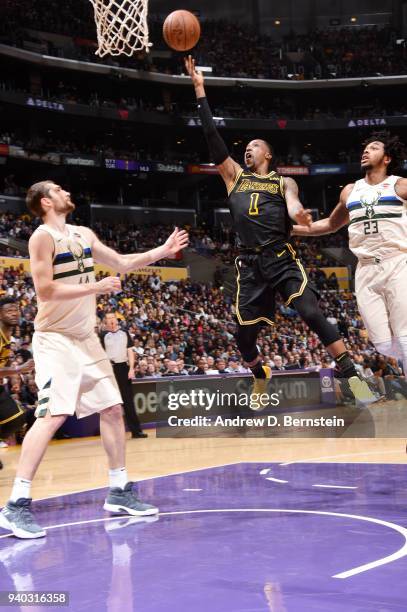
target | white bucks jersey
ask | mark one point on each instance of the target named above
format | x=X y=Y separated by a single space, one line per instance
x=378 y=221
x=72 y=265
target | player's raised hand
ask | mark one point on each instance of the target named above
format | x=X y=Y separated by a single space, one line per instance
x=176 y=242
x=304 y=217
x=110 y=284
x=196 y=75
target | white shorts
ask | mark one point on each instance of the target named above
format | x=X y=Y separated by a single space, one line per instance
x=381 y=293
x=73 y=376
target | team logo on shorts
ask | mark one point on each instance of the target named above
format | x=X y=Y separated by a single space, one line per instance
x=76 y=249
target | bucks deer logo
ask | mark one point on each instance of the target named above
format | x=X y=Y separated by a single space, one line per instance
x=369 y=201
x=76 y=250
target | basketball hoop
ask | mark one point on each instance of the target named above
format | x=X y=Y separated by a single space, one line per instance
x=121 y=26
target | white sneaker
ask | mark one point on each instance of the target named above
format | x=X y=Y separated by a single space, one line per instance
x=361 y=390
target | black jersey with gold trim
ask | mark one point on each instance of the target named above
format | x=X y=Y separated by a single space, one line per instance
x=258 y=208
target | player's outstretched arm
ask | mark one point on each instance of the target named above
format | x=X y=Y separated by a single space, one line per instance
x=295 y=209
x=24 y=368
x=401 y=188
x=41 y=248
x=102 y=254
x=219 y=154
x=338 y=218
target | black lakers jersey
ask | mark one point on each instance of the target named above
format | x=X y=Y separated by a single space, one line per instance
x=5 y=351
x=258 y=208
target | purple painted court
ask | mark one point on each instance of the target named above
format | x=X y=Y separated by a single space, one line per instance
x=251 y=537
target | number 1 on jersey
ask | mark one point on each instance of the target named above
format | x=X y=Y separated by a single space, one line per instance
x=254 y=204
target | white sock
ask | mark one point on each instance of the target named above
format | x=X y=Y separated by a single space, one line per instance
x=21 y=488
x=118 y=478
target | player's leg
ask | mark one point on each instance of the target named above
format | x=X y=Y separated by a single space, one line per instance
x=307 y=307
x=121 y=498
x=16 y=515
x=395 y=278
x=290 y=279
x=113 y=434
x=57 y=374
x=35 y=444
x=101 y=394
x=370 y=289
x=254 y=304
x=246 y=337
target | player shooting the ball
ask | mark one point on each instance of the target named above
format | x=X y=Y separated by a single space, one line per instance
x=263 y=206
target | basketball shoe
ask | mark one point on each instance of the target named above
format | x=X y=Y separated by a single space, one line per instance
x=18 y=518
x=362 y=391
x=124 y=501
x=260 y=385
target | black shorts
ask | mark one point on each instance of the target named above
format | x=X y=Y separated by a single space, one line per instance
x=260 y=275
x=12 y=415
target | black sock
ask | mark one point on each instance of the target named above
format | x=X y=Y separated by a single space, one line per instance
x=258 y=371
x=346 y=365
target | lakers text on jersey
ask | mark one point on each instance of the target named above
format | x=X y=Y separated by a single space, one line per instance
x=258 y=208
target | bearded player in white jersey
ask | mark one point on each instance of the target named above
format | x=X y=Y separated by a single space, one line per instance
x=375 y=210
x=73 y=372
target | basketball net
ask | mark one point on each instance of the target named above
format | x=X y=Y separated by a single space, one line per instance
x=121 y=26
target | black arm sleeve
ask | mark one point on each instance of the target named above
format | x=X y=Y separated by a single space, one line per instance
x=217 y=149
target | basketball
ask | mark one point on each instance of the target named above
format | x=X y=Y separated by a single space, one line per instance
x=181 y=30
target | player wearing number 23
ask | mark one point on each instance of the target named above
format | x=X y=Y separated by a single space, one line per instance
x=374 y=207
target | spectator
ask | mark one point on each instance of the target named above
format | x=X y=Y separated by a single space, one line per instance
x=278 y=363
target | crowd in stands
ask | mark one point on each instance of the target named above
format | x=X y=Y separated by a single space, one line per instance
x=185 y=327
x=330 y=53
x=218 y=242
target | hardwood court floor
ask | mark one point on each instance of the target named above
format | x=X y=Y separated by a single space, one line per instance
x=80 y=464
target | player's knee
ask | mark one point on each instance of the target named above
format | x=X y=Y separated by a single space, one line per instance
x=307 y=307
x=51 y=422
x=313 y=317
x=113 y=412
